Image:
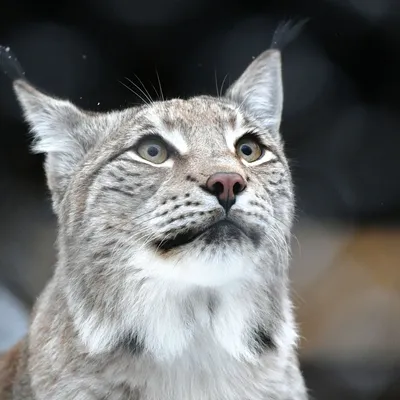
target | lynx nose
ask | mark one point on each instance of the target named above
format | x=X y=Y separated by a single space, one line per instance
x=225 y=186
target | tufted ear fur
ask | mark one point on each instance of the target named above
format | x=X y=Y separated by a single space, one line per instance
x=61 y=131
x=259 y=89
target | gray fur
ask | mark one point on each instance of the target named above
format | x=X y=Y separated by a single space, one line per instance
x=208 y=320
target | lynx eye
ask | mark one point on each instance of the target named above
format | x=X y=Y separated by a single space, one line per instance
x=153 y=150
x=249 y=149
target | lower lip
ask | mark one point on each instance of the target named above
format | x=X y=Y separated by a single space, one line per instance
x=201 y=233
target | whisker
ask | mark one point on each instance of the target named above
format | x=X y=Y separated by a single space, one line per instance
x=216 y=82
x=144 y=87
x=222 y=85
x=156 y=92
x=159 y=84
x=147 y=240
x=289 y=228
x=148 y=219
x=135 y=93
x=149 y=100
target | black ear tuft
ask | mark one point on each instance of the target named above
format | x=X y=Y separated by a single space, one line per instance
x=286 y=32
x=10 y=65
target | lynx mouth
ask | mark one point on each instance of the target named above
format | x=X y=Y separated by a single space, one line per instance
x=221 y=230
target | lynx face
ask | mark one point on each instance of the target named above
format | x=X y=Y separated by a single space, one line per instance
x=191 y=190
x=186 y=194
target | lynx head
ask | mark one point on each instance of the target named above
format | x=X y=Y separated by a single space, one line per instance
x=194 y=194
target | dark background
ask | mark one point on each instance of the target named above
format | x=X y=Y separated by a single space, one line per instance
x=342 y=94
x=341 y=75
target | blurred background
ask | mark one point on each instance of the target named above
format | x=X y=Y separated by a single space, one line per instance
x=341 y=127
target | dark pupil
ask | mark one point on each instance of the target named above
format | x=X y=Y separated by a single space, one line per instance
x=246 y=149
x=153 y=151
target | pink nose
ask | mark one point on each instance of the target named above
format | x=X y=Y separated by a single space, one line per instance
x=225 y=186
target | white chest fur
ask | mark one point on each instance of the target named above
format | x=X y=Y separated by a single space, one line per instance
x=204 y=372
x=198 y=350
x=195 y=340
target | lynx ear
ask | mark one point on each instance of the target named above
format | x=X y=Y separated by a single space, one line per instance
x=61 y=131
x=259 y=89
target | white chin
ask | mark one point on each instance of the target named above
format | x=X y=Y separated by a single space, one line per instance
x=192 y=267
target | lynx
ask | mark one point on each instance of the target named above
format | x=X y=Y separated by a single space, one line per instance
x=173 y=250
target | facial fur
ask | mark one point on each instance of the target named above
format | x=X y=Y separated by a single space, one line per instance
x=151 y=254
x=129 y=210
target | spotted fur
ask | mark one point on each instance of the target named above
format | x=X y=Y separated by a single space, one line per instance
x=130 y=315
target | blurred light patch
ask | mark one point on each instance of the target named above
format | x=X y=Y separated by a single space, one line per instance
x=372 y=10
x=14 y=319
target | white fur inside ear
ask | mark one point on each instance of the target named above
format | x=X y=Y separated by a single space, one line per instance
x=61 y=131
x=259 y=90
x=53 y=121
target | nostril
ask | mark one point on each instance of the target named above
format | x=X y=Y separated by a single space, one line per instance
x=238 y=187
x=226 y=186
x=217 y=188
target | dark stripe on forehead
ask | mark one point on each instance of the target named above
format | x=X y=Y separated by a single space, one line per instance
x=263 y=341
x=125 y=171
x=132 y=345
x=118 y=165
x=102 y=160
x=232 y=120
x=118 y=190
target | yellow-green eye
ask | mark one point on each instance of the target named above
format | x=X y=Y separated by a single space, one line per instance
x=249 y=150
x=153 y=150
